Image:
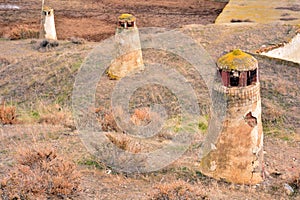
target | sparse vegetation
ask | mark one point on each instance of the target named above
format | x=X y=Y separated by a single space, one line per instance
x=24 y=32
x=203 y=124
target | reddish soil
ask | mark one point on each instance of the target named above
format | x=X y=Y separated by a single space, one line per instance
x=95 y=20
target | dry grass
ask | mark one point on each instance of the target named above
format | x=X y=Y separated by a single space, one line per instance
x=23 y=32
x=271 y=113
x=7 y=114
x=124 y=142
x=44 y=113
x=106 y=119
x=178 y=190
x=141 y=116
x=40 y=173
x=54 y=114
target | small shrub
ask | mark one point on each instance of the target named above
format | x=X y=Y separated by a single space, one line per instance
x=295 y=183
x=7 y=114
x=23 y=32
x=178 y=190
x=47 y=45
x=141 y=116
x=124 y=142
x=40 y=173
x=106 y=119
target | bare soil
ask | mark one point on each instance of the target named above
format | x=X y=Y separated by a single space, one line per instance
x=96 y=20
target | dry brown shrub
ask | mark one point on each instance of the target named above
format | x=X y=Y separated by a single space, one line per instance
x=23 y=32
x=40 y=173
x=7 y=114
x=141 y=116
x=125 y=142
x=178 y=190
x=295 y=183
x=106 y=119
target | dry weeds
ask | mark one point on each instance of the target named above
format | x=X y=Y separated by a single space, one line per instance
x=141 y=116
x=40 y=173
x=44 y=113
x=7 y=114
x=124 y=142
x=106 y=119
x=23 y=32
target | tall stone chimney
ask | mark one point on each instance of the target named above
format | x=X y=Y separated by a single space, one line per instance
x=129 y=54
x=237 y=154
x=48 y=31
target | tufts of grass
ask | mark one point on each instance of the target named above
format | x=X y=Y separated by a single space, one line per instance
x=203 y=123
x=279 y=132
x=91 y=163
x=43 y=113
x=76 y=66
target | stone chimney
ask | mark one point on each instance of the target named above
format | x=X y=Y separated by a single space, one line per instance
x=48 y=31
x=237 y=153
x=129 y=54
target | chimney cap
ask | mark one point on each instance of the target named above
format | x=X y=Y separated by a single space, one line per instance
x=47 y=9
x=126 y=17
x=237 y=60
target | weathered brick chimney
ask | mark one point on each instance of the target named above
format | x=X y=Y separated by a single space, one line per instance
x=129 y=54
x=237 y=154
x=48 y=29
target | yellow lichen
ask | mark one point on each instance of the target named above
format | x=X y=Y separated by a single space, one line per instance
x=237 y=60
x=111 y=75
x=46 y=8
x=127 y=17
